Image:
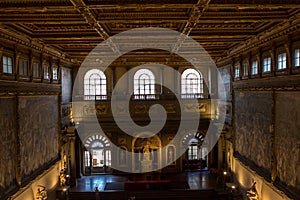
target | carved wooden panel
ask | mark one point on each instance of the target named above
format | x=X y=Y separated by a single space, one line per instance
x=288 y=138
x=38 y=131
x=253 y=116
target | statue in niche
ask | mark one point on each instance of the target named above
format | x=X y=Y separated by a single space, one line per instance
x=252 y=192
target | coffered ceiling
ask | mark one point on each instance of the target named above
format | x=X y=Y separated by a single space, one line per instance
x=75 y=27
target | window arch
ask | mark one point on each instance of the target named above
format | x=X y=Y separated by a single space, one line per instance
x=191 y=84
x=95 y=85
x=144 y=85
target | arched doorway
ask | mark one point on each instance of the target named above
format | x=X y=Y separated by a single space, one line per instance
x=196 y=156
x=97 y=156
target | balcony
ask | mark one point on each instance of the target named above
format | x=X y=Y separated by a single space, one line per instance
x=139 y=105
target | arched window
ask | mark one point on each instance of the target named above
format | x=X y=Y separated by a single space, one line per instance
x=95 y=87
x=144 y=85
x=191 y=84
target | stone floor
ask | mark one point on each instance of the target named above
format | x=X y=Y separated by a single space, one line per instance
x=195 y=180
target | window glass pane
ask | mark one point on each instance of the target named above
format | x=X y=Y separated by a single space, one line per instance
x=7 y=65
x=9 y=61
x=297 y=58
x=236 y=71
x=55 y=73
x=5 y=69
x=254 y=67
x=281 y=61
x=5 y=60
x=267 y=64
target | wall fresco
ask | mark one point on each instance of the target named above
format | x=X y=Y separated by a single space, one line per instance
x=288 y=138
x=7 y=143
x=253 y=115
x=38 y=131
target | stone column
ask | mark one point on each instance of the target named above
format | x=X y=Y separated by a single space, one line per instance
x=71 y=139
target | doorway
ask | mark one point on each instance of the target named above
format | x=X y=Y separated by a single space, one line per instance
x=97 y=156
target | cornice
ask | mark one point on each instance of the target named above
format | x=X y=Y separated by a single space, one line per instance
x=8 y=36
x=278 y=83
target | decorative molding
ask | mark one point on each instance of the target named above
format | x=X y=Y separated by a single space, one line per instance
x=27 y=88
x=280 y=83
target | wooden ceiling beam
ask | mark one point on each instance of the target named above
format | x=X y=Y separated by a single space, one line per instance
x=254 y=6
x=81 y=7
x=89 y=17
x=95 y=6
x=140 y=6
x=196 y=13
